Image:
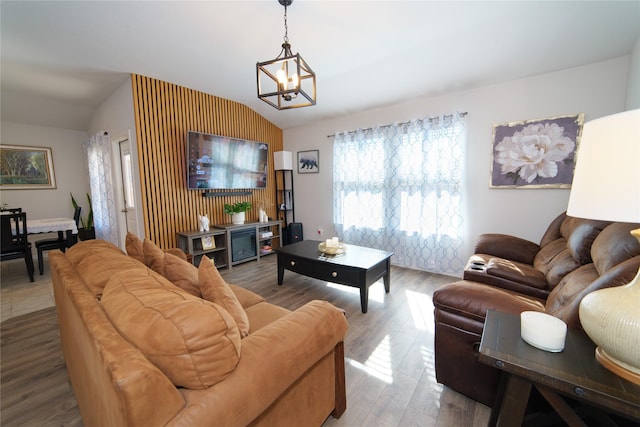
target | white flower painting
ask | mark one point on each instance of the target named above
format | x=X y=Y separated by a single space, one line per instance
x=536 y=153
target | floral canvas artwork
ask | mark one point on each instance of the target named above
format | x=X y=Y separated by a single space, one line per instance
x=536 y=153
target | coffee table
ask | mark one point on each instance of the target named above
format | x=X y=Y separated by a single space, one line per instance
x=358 y=266
x=574 y=372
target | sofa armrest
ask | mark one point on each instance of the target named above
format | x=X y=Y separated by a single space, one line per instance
x=507 y=247
x=272 y=359
x=177 y=252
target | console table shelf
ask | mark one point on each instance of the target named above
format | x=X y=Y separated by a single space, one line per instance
x=212 y=243
x=231 y=244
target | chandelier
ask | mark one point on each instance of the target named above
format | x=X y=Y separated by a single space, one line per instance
x=286 y=81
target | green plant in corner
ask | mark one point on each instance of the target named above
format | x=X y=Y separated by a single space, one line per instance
x=237 y=207
x=86 y=222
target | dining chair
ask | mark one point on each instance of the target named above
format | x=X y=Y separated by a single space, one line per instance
x=12 y=210
x=13 y=241
x=60 y=243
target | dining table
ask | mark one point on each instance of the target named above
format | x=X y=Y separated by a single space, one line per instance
x=52 y=225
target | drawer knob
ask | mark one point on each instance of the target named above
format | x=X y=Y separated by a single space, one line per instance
x=579 y=391
x=293 y=263
x=334 y=274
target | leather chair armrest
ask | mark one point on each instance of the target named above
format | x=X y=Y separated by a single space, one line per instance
x=471 y=300
x=507 y=247
x=271 y=360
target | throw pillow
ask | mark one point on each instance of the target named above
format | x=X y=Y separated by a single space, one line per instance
x=153 y=256
x=179 y=272
x=182 y=274
x=195 y=343
x=214 y=288
x=133 y=245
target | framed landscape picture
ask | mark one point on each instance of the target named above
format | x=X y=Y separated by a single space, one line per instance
x=535 y=153
x=309 y=161
x=26 y=168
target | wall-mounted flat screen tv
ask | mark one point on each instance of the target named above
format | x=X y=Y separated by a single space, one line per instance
x=217 y=162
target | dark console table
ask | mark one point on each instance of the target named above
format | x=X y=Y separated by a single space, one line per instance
x=358 y=266
x=574 y=372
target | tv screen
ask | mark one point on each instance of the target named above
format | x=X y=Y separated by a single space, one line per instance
x=220 y=162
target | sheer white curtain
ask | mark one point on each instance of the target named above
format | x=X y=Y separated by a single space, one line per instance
x=399 y=188
x=99 y=161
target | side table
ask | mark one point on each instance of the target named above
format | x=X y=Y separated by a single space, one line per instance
x=574 y=372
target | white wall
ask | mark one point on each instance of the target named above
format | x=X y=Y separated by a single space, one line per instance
x=633 y=87
x=68 y=164
x=597 y=90
x=115 y=115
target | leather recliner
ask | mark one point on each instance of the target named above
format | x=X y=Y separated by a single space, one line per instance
x=519 y=265
x=461 y=307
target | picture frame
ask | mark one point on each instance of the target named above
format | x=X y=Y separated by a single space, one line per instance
x=309 y=161
x=208 y=242
x=25 y=167
x=537 y=153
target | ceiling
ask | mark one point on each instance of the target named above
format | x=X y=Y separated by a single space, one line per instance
x=62 y=59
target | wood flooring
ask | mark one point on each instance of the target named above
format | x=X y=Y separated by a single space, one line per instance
x=390 y=375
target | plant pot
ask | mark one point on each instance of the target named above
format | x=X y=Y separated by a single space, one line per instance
x=86 y=233
x=238 y=218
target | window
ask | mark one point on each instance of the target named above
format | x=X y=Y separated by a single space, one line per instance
x=399 y=188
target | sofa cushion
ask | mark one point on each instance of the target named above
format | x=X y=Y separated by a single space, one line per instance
x=564 y=301
x=553 y=231
x=246 y=298
x=546 y=255
x=580 y=235
x=196 y=343
x=614 y=245
x=215 y=289
x=78 y=252
x=97 y=267
x=134 y=248
x=178 y=271
x=153 y=256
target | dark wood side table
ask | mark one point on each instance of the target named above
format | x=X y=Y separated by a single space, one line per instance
x=358 y=266
x=574 y=372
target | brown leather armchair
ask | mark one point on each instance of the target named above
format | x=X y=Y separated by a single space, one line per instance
x=461 y=307
x=519 y=265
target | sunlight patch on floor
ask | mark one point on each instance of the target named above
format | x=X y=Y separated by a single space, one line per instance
x=421 y=310
x=376 y=291
x=378 y=365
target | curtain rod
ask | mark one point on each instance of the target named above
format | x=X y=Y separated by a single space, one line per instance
x=399 y=124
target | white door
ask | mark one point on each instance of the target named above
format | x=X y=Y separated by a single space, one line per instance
x=128 y=190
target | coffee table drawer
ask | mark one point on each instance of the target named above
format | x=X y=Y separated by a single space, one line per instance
x=323 y=271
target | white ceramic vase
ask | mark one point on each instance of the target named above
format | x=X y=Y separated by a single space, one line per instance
x=611 y=318
x=238 y=218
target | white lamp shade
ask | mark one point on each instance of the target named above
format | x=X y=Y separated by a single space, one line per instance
x=606 y=180
x=283 y=160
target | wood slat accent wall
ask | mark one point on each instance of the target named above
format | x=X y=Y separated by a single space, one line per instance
x=164 y=112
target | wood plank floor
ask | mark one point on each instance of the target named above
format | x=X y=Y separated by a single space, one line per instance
x=389 y=354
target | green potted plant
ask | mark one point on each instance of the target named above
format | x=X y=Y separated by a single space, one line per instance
x=86 y=231
x=237 y=211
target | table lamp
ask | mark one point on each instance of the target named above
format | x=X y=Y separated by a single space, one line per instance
x=606 y=186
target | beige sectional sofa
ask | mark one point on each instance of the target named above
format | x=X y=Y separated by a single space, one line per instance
x=143 y=350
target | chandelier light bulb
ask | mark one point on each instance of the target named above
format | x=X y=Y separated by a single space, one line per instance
x=282 y=78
